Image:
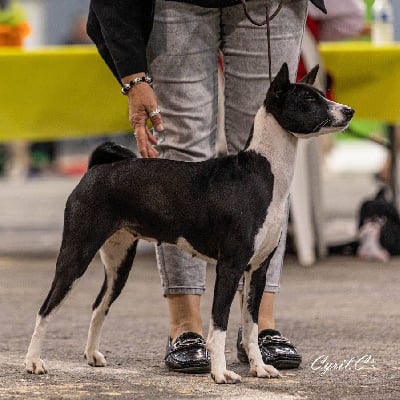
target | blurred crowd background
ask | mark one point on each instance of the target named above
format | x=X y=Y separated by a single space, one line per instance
x=354 y=165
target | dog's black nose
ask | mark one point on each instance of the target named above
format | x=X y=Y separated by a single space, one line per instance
x=348 y=112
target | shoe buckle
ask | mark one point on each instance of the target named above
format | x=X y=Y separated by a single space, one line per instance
x=268 y=339
x=187 y=343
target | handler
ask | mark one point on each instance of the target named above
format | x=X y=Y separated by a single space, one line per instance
x=176 y=45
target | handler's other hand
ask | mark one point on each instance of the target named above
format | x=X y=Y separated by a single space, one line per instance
x=142 y=106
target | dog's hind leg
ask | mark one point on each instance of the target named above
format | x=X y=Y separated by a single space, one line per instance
x=72 y=262
x=254 y=284
x=79 y=245
x=117 y=255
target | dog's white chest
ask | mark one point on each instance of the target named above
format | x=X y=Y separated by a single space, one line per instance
x=267 y=238
x=279 y=149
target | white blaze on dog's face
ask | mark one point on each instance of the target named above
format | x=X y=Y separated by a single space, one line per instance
x=303 y=110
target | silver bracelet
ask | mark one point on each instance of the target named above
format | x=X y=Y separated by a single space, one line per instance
x=126 y=87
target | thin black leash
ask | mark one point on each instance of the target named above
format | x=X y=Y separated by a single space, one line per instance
x=268 y=19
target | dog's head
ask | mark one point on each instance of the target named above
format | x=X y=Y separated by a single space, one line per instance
x=303 y=110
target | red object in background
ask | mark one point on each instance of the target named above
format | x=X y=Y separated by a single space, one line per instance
x=76 y=168
x=313 y=27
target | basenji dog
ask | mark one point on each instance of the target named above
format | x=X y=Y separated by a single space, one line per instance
x=227 y=210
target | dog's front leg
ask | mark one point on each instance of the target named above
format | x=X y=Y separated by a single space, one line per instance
x=252 y=294
x=33 y=363
x=226 y=283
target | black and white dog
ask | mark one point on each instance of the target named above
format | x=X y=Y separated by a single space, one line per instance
x=228 y=210
x=379 y=228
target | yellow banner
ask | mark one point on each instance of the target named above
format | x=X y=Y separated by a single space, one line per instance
x=58 y=92
x=366 y=77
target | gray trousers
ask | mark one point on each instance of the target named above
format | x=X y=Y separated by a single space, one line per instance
x=183 y=61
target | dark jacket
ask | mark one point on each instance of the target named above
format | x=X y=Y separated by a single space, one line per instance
x=121 y=29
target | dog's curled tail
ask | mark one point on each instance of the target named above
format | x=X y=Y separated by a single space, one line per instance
x=109 y=152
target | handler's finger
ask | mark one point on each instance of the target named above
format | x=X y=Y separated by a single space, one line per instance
x=152 y=152
x=156 y=119
x=151 y=137
x=141 y=140
x=144 y=144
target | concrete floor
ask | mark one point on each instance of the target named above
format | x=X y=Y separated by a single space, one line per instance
x=336 y=312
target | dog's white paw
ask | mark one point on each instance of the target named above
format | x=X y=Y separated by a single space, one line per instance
x=226 y=377
x=265 y=371
x=95 y=359
x=35 y=366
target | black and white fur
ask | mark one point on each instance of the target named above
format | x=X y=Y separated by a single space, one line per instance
x=228 y=210
x=383 y=213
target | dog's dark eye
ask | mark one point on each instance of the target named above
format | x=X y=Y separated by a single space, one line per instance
x=310 y=98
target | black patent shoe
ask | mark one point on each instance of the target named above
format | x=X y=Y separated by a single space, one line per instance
x=275 y=349
x=188 y=354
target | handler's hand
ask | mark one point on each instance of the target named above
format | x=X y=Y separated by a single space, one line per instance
x=142 y=106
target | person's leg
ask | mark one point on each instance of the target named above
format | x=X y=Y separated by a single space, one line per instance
x=183 y=279
x=183 y=57
x=246 y=82
x=244 y=48
x=266 y=319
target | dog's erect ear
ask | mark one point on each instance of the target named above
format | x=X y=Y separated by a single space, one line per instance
x=278 y=87
x=281 y=81
x=320 y=4
x=311 y=76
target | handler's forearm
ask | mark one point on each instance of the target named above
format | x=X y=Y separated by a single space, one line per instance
x=121 y=29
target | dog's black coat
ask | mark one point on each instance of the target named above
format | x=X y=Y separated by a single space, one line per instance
x=158 y=208
x=108 y=153
x=158 y=203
